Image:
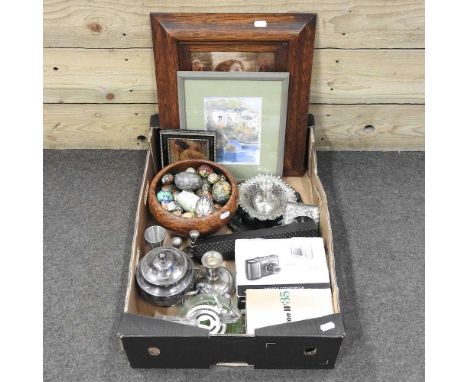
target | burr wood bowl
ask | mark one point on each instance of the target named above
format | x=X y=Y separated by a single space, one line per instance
x=181 y=225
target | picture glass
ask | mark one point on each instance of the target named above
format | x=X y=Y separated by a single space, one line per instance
x=233 y=61
x=248 y=117
x=237 y=122
x=182 y=149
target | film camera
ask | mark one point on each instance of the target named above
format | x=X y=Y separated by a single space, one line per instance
x=262 y=266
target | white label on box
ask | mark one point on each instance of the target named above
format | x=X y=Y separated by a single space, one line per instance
x=328 y=326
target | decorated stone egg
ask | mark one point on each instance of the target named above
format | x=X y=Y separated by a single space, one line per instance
x=164 y=196
x=204 y=170
x=187 y=200
x=205 y=188
x=221 y=191
x=213 y=178
x=187 y=181
x=172 y=206
x=204 y=206
x=191 y=170
x=168 y=188
x=167 y=178
x=188 y=215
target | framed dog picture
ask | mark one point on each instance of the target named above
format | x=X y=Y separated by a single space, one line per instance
x=177 y=145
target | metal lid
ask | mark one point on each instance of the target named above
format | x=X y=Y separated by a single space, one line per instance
x=163 y=266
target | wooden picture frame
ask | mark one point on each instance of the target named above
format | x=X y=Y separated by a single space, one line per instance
x=290 y=36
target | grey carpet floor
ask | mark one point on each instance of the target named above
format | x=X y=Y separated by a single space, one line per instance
x=377 y=211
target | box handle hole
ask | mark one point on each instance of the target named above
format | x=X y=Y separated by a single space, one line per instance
x=310 y=352
x=154 y=351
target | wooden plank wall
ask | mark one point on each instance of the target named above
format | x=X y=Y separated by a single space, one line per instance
x=367 y=89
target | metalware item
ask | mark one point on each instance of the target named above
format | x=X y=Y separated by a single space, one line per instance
x=165 y=275
x=176 y=242
x=264 y=197
x=194 y=235
x=300 y=212
x=155 y=236
x=214 y=278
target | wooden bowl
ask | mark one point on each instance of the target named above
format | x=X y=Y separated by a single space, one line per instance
x=206 y=224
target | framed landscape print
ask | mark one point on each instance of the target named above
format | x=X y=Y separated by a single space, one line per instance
x=239 y=42
x=179 y=145
x=246 y=111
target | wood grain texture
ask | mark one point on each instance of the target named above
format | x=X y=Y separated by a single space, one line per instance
x=341 y=23
x=339 y=127
x=369 y=127
x=96 y=126
x=338 y=76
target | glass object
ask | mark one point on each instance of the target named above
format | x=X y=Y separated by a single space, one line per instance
x=264 y=197
x=210 y=311
x=214 y=278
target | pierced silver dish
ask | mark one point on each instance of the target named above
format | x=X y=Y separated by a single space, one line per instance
x=264 y=197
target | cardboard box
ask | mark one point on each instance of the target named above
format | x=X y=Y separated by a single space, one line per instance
x=153 y=343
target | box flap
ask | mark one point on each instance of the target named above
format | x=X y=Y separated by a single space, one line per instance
x=133 y=325
x=326 y=326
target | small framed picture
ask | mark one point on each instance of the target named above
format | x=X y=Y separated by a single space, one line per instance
x=247 y=113
x=177 y=145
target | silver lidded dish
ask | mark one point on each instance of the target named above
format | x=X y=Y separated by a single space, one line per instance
x=165 y=275
x=264 y=197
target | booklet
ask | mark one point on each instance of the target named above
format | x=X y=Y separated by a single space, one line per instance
x=265 y=307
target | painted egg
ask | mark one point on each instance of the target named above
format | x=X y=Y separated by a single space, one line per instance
x=187 y=200
x=187 y=181
x=164 y=196
x=213 y=178
x=167 y=178
x=204 y=189
x=188 y=215
x=172 y=206
x=168 y=188
x=221 y=191
x=204 y=207
x=204 y=170
x=191 y=170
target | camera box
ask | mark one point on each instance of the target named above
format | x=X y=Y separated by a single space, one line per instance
x=298 y=262
x=153 y=342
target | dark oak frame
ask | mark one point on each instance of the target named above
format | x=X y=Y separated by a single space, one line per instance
x=289 y=35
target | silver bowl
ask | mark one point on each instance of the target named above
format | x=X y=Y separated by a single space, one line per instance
x=264 y=197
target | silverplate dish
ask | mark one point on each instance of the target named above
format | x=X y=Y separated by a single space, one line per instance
x=165 y=275
x=264 y=197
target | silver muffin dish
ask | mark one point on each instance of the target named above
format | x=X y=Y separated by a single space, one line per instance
x=165 y=275
x=264 y=197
